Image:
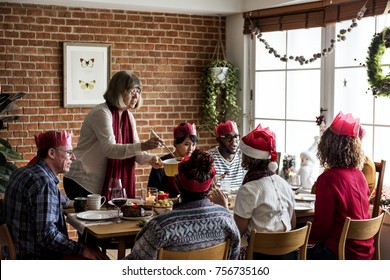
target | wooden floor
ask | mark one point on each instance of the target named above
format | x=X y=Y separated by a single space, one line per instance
x=113 y=254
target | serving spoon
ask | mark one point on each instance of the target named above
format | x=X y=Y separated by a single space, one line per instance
x=165 y=146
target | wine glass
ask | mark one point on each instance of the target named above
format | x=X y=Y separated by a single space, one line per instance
x=118 y=196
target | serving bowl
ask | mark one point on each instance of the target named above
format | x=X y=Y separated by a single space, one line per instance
x=162 y=209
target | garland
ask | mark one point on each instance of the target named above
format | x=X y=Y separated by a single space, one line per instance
x=380 y=84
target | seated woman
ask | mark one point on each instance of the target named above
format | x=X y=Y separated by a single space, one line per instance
x=265 y=201
x=185 y=140
x=341 y=191
x=195 y=222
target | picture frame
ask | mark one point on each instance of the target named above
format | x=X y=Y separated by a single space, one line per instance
x=87 y=71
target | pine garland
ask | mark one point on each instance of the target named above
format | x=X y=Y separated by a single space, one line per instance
x=380 y=84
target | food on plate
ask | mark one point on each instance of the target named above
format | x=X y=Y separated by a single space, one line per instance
x=132 y=210
x=163 y=203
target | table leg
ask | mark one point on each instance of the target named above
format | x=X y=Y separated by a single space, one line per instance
x=121 y=247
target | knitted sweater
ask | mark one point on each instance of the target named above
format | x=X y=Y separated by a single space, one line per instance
x=194 y=225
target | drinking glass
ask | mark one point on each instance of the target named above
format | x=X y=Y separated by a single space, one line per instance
x=118 y=196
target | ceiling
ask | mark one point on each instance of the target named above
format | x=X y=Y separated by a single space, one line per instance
x=197 y=7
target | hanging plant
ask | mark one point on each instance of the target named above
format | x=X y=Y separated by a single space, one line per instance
x=380 y=84
x=219 y=95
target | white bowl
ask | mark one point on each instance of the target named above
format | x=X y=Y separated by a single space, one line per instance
x=161 y=210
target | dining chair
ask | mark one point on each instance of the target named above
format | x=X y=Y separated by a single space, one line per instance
x=279 y=243
x=380 y=169
x=216 y=252
x=6 y=244
x=361 y=230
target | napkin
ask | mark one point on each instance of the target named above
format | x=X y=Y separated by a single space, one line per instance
x=80 y=224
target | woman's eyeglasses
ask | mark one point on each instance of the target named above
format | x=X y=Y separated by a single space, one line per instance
x=230 y=138
x=134 y=92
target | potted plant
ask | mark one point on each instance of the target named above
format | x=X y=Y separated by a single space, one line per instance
x=6 y=152
x=219 y=84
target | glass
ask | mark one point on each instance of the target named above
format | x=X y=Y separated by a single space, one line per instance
x=230 y=138
x=134 y=92
x=69 y=152
x=117 y=195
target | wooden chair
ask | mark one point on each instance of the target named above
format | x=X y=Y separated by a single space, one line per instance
x=279 y=243
x=6 y=242
x=380 y=169
x=361 y=230
x=216 y=252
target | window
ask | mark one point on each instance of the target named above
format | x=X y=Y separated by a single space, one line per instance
x=288 y=97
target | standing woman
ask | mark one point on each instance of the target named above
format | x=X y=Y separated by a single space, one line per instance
x=341 y=191
x=185 y=140
x=109 y=146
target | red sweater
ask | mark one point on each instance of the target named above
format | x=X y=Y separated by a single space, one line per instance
x=341 y=193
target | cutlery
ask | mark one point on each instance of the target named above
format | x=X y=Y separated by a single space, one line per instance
x=165 y=146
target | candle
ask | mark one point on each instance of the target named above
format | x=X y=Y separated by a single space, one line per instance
x=150 y=199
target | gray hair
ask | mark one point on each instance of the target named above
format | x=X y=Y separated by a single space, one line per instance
x=119 y=83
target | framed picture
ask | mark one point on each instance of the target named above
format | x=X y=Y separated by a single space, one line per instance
x=87 y=70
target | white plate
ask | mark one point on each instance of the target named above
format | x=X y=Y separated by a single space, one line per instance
x=148 y=215
x=97 y=215
x=305 y=197
x=302 y=207
x=137 y=201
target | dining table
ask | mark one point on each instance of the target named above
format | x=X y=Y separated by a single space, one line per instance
x=104 y=229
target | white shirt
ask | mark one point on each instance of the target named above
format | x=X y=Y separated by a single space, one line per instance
x=235 y=172
x=268 y=203
x=96 y=144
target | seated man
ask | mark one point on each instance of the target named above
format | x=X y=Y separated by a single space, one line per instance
x=33 y=204
x=227 y=155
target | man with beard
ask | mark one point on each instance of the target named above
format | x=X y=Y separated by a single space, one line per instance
x=228 y=156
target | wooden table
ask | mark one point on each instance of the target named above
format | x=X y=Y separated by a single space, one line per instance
x=303 y=217
x=123 y=232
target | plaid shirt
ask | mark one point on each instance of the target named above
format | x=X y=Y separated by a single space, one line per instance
x=34 y=215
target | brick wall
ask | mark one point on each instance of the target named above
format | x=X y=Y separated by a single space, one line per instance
x=167 y=52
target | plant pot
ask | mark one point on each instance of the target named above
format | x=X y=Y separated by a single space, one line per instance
x=220 y=74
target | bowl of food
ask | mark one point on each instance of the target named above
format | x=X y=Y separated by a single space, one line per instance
x=163 y=206
x=162 y=195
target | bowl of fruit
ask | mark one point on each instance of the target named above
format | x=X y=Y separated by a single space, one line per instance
x=162 y=206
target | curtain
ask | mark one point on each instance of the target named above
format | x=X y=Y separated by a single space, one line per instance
x=315 y=14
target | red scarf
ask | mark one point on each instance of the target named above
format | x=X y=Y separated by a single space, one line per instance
x=121 y=168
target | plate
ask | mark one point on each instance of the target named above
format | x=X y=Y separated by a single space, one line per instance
x=97 y=215
x=148 y=215
x=305 y=197
x=302 y=207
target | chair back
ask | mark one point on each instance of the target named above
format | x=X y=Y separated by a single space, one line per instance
x=380 y=169
x=6 y=243
x=216 y=252
x=279 y=243
x=361 y=230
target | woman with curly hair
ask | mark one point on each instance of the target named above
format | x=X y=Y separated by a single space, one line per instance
x=196 y=222
x=341 y=191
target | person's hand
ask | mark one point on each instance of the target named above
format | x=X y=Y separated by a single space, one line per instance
x=218 y=197
x=94 y=254
x=156 y=162
x=151 y=144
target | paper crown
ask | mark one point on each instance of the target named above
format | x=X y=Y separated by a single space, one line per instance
x=260 y=144
x=184 y=129
x=194 y=185
x=362 y=132
x=345 y=125
x=52 y=139
x=225 y=128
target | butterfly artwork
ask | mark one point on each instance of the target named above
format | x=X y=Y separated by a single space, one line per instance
x=87 y=85
x=87 y=63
